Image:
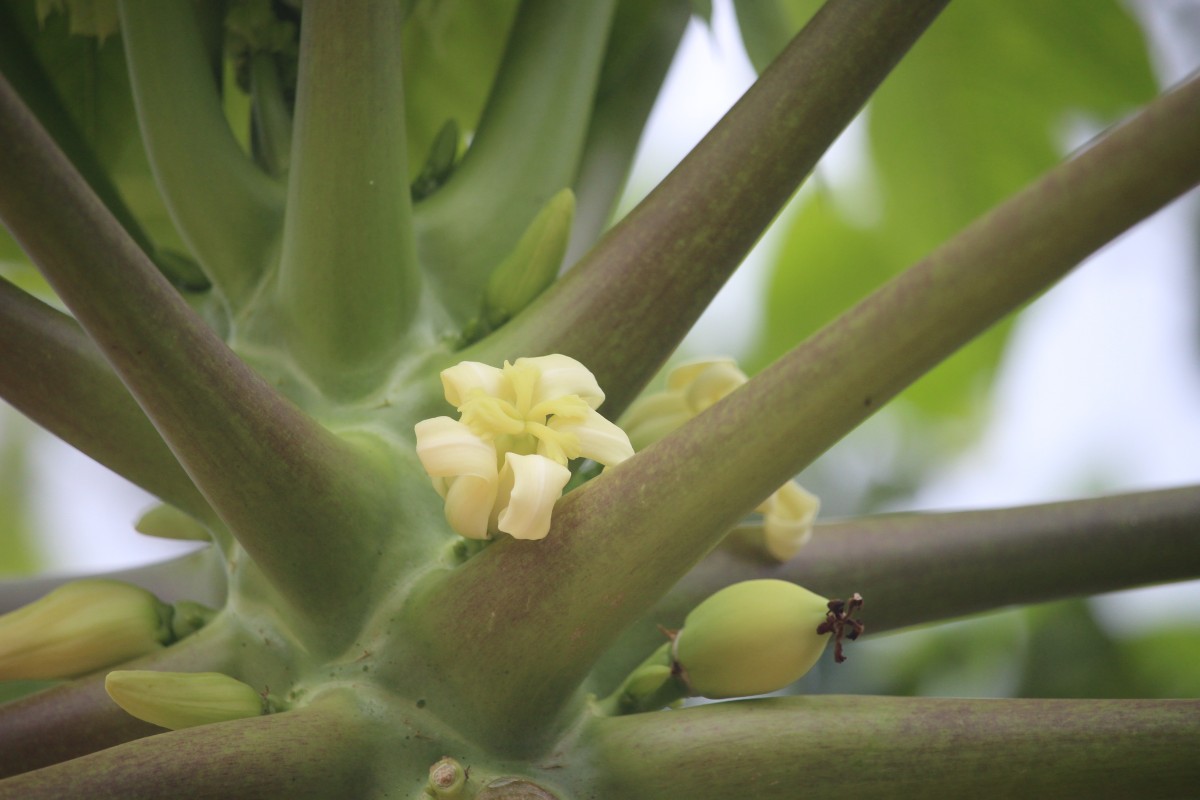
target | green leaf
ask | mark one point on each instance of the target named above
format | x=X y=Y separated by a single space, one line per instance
x=980 y=107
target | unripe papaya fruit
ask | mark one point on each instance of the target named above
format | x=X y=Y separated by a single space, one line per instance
x=750 y=638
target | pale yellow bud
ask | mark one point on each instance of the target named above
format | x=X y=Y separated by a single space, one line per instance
x=177 y=700
x=81 y=627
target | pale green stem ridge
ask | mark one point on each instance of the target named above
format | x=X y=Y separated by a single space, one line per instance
x=78 y=717
x=527 y=148
x=227 y=210
x=312 y=752
x=842 y=746
x=646 y=282
x=53 y=373
x=641 y=47
x=286 y=487
x=969 y=562
x=653 y=517
x=348 y=278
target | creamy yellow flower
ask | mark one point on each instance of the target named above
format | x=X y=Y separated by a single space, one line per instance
x=788 y=514
x=503 y=464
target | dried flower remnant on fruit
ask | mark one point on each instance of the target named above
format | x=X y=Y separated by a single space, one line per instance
x=788 y=514
x=756 y=637
x=503 y=464
x=839 y=623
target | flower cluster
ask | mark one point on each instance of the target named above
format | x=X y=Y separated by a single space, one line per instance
x=503 y=464
x=788 y=514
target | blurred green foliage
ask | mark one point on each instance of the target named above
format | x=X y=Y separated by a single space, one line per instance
x=982 y=105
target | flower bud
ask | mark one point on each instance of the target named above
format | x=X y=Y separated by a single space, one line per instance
x=80 y=627
x=168 y=522
x=533 y=264
x=750 y=638
x=510 y=788
x=177 y=700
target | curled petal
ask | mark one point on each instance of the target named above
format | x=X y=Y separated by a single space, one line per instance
x=686 y=373
x=600 y=440
x=532 y=485
x=448 y=448
x=465 y=377
x=788 y=517
x=712 y=384
x=470 y=501
x=562 y=375
x=654 y=416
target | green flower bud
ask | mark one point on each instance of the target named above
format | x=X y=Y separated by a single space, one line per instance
x=440 y=162
x=750 y=638
x=81 y=627
x=168 y=522
x=177 y=700
x=647 y=680
x=533 y=264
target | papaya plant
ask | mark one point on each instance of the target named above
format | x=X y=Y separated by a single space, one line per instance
x=369 y=336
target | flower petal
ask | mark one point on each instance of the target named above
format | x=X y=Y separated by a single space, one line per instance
x=469 y=504
x=463 y=378
x=712 y=384
x=653 y=416
x=563 y=375
x=448 y=448
x=536 y=484
x=599 y=439
x=686 y=373
x=788 y=519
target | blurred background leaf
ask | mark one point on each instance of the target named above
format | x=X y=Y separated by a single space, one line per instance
x=981 y=106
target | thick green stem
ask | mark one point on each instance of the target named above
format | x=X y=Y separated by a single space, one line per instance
x=227 y=209
x=76 y=718
x=838 y=747
x=312 y=752
x=52 y=373
x=286 y=487
x=641 y=47
x=348 y=278
x=527 y=147
x=968 y=561
x=653 y=517
x=626 y=306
